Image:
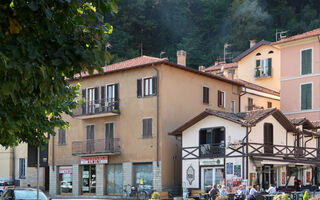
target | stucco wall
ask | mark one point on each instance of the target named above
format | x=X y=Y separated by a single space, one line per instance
x=247 y=65
x=258 y=101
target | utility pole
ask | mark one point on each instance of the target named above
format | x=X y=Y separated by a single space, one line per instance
x=38 y=167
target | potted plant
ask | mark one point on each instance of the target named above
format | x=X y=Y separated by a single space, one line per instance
x=155 y=195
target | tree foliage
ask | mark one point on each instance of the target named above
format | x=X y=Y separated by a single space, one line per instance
x=43 y=43
x=202 y=27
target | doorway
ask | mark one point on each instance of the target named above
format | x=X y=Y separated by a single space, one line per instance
x=114 y=179
x=210 y=176
x=268 y=176
x=88 y=179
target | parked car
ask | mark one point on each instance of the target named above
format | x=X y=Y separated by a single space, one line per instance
x=3 y=185
x=22 y=194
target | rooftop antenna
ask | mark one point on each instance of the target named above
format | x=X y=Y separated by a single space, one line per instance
x=161 y=53
x=141 y=48
x=225 y=52
x=281 y=35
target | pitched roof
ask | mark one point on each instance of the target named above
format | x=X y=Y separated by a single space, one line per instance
x=257 y=87
x=312 y=33
x=307 y=124
x=144 y=61
x=246 y=119
x=218 y=67
x=246 y=52
x=316 y=124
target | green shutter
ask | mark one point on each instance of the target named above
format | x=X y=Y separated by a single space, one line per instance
x=306 y=96
x=306 y=61
x=269 y=66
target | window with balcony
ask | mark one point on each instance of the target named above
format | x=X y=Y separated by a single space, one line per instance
x=263 y=68
x=90 y=139
x=109 y=134
x=221 y=99
x=91 y=96
x=306 y=61
x=147 y=87
x=205 y=95
x=212 y=142
x=110 y=98
x=306 y=96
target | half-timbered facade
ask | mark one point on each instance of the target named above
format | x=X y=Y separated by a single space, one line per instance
x=256 y=147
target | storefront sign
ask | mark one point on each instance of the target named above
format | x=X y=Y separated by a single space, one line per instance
x=283 y=178
x=308 y=177
x=94 y=160
x=65 y=170
x=190 y=174
x=237 y=170
x=216 y=161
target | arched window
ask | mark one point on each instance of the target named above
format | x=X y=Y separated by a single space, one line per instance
x=270 y=52
x=258 y=54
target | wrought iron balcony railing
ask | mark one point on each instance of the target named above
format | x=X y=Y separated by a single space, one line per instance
x=99 y=146
x=97 y=107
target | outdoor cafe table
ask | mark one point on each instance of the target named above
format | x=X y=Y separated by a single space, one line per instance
x=295 y=195
x=268 y=196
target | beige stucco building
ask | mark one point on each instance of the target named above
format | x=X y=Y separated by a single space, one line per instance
x=14 y=168
x=119 y=136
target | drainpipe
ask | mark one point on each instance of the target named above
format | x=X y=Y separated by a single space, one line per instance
x=158 y=77
x=240 y=95
x=247 y=149
x=14 y=165
x=52 y=161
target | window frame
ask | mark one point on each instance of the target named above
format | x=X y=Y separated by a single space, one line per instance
x=223 y=105
x=301 y=50
x=249 y=98
x=151 y=135
x=22 y=176
x=269 y=104
x=233 y=106
x=301 y=84
x=152 y=92
x=62 y=142
x=203 y=95
x=149 y=82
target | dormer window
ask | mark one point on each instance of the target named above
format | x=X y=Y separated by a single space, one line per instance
x=270 y=52
x=258 y=54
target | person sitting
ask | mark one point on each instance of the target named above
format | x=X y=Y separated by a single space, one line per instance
x=259 y=189
x=223 y=191
x=252 y=193
x=213 y=193
x=297 y=184
x=240 y=194
x=272 y=190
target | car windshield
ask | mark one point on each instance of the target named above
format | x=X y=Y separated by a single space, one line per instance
x=28 y=195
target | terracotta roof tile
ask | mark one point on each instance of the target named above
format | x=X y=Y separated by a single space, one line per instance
x=316 y=124
x=218 y=67
x=312 y=33
x=257 y=87
x=125 y=64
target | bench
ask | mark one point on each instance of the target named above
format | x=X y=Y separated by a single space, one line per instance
x=196 y=194
x=164 y=195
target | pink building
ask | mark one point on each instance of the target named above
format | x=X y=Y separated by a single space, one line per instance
x=300 y=75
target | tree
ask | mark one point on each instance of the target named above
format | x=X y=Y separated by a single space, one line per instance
x=43 y=45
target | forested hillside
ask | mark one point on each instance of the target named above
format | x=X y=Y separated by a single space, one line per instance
x=202 y=27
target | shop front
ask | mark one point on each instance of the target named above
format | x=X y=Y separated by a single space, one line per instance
x=113 y=177
x=143 y=175
x=65 y=180
x=212 y=172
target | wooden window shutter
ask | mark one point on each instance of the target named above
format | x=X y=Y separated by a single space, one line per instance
x=257 y=68
x=150 y=127
x=84 y=105
x=139 y=88
x=96 y=99
x=306 y=61
x=154 y=85
x=116 y=95
x=144 y=127
x=103 y=98
x=269 y=66
x=219 y=98
x=306 y=95
x=205 y=95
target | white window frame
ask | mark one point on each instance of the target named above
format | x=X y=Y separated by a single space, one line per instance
x=144 y=94
x=224 y=99
x=301 y=61
x=88 y=100
x=25 y=172
x=311 y=96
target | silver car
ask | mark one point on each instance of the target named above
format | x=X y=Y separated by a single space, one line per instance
x=22 y=194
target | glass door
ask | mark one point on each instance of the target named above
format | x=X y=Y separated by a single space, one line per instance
x=210 y=176
x=88 y=179
x=110 y=97
x=114 y=179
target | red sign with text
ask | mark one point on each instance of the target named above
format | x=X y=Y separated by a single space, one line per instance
x=94 y=160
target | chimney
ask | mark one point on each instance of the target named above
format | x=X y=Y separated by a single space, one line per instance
x=181 y=57
x=252 y=43
x=201 y=68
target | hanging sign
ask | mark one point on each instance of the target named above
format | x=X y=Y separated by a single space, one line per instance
x=94 y=160
x=215 y=161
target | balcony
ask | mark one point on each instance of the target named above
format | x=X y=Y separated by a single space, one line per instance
x=96 y=147
x=212 y=150
x=97 y=108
